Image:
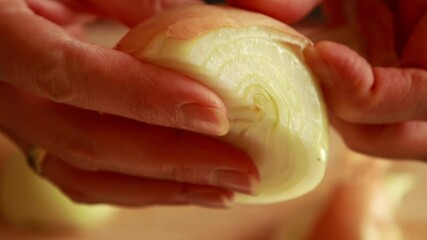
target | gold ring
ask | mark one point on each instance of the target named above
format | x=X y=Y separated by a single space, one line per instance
x=35 y=156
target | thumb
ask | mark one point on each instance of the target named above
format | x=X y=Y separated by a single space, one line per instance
x=360 y=93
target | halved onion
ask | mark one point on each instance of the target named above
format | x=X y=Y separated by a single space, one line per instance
x=255 y=64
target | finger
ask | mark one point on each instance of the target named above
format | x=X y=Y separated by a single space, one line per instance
x=53 y=11
x=359 y=93
x=40 y=56
x=415 y=52
x=377 y=31
x=399 y=141
x=112 y=188
x=135 y=11
x=96 y=142
x=286 y=11
x=409 y=13
x=72 y=22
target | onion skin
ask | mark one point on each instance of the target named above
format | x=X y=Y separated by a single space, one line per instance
x=188 y=23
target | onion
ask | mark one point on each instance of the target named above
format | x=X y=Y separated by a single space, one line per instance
x=255 y=64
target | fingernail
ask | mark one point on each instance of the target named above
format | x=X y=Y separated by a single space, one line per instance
x=211 y=199
x=318 y=65
x=202 y=119
x=235 y=181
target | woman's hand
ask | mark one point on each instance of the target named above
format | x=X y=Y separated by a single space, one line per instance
x=377 y=96
x=109 y=123
x=377 y=99
x=378 y=103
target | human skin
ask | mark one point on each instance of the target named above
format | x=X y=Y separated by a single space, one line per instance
x=376 y=96
x=70 y=152
x=112 y=126
x=385 y=115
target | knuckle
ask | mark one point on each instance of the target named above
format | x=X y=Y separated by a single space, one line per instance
x=173 y=171
x=180 y=173
x=144 y=102
x=55 y=85
x=356 y=95
x=179 y=170
x=55 y=80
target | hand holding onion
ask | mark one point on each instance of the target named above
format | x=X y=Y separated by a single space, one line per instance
x=53 y=164
x=377 y=97
x=375 y=91
x=285 y=131
x=101 y=114
x=199 y=169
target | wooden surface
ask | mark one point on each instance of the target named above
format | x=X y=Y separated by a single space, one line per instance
x=241 y=223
